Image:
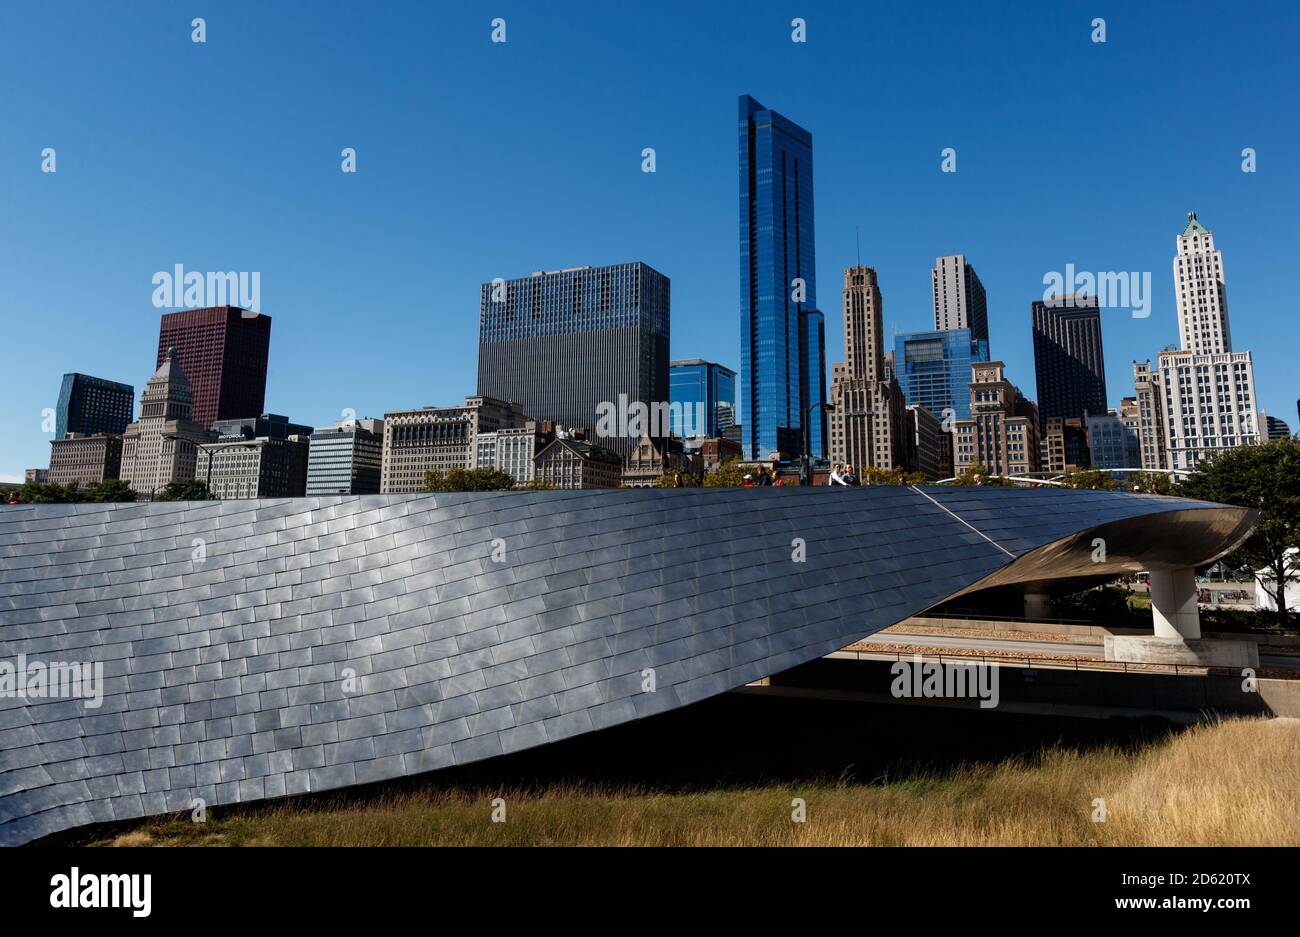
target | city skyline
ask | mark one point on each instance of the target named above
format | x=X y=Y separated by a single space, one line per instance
x=333 y=300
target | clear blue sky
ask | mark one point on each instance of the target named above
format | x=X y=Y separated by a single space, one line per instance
x=479 y=160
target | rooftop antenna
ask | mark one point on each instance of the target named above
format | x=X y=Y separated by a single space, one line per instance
x=857 y=235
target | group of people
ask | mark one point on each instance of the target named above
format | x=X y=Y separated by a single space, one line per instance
x=845 y=477
x=766 y=477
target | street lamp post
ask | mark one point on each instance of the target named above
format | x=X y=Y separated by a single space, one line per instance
x=805 y=468
x=207 y=494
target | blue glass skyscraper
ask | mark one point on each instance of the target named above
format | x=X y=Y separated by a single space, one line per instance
x=934 y=369
x=701 y=387
x=782 y=335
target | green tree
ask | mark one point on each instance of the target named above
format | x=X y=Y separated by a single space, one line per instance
x=35 y=493
x=1090 y=478
x=730 y=474
x=110 y=489
x=978 y=474
x=189 y=489
x=1267 y=478
x=894 y=476
x=677 y=480
x=1153 y=483
x=477 y=479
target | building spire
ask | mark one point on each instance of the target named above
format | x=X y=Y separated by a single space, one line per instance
x=1194 y=226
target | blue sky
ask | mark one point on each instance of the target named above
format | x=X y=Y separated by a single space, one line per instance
x=479 y=160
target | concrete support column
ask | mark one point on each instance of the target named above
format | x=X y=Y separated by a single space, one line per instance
x=1173 y=603
x=1038 y=605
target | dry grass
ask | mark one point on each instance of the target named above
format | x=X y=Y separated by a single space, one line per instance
x=1227 y=783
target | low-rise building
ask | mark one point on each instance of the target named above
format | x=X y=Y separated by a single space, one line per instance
x=85 y=460
x=439 y=439
x=516 y=448
x=262 y=467
x=649 y=460
x=712 y=451
x=574 y=463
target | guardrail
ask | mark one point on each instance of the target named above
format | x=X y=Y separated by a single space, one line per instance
x=1032 y=663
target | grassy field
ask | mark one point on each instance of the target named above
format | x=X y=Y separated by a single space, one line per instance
x=1228 y=783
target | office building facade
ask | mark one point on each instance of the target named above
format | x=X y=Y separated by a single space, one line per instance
x=1276 y=429
x=959 y=298
x=701 y=389
x=1002 y=432
x=930 y=452
x=90 y=405
x=567 y=345
x=782 y=333
x=934 y=369
x=223 y=351
x=85 y=460
x=439 y=439
x=1111 y=443
x=258 y=467
x=1064 y=444
x=1149 y=400
x=346 y=458
x=1068 y=360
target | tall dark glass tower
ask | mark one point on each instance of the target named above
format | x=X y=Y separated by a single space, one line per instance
x=567 y=343
x=782 y=335
x=1068 y=359
x=90 y=405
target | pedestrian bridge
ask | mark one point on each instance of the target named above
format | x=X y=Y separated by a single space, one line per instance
x=250 y=650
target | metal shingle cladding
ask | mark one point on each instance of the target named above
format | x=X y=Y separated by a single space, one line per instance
x=224 y=678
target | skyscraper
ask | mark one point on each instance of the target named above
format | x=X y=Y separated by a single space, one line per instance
x=869 y=419
x=223 y=351
x=1068 y=362
x=570 y=344
x=701 y=387
x=1209 y=389
x=90 y=405
x=782 y=335
x=934 y=369
x=959 y=300
x=162 y=445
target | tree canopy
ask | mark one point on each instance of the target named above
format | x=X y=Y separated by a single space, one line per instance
x=1267 y=478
